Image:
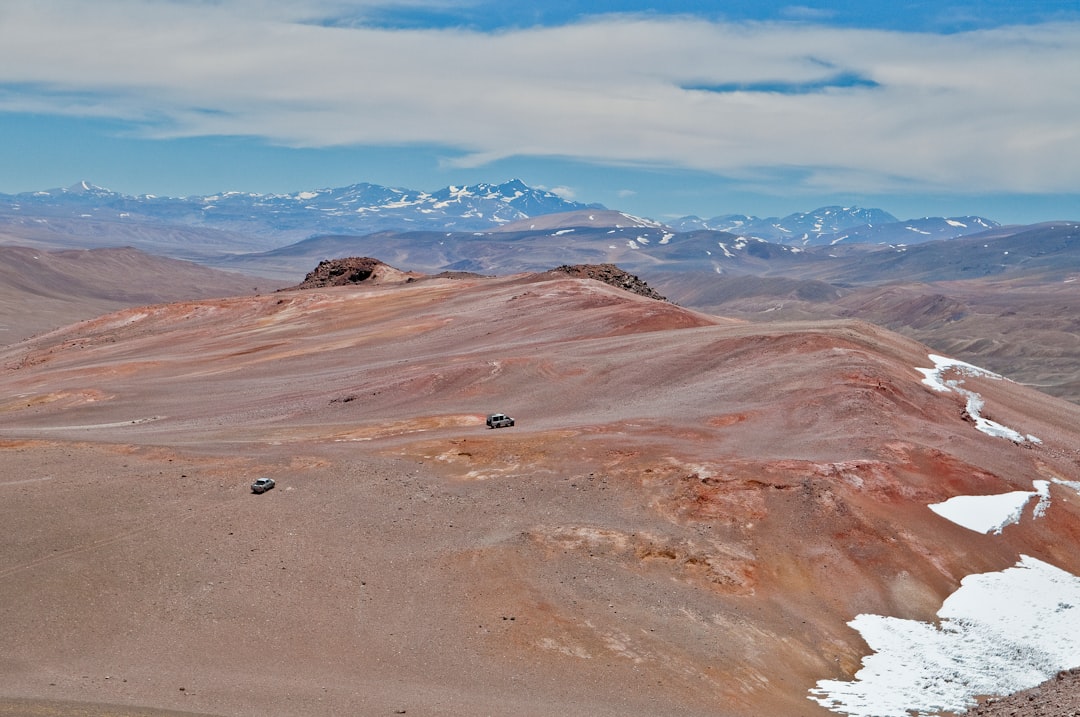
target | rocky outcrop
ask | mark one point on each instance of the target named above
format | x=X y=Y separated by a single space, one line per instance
x=613 y=275
x=351 y=270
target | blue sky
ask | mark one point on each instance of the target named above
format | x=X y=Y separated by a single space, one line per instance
x=766 y=108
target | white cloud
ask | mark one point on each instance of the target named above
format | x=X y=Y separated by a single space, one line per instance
x=982 y=111
x=565 y=192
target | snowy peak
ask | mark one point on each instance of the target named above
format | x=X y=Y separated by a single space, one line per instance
x=84 y=187
x=829 y=220
x=359 y=209
x=507 y=202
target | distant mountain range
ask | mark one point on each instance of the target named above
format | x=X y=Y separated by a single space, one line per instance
x=356 y=209
x=364 y=208
x=833 y=225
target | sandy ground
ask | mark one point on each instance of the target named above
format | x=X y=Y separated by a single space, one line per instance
x=686 y=515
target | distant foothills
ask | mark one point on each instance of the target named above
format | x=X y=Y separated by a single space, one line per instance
x=368 y=208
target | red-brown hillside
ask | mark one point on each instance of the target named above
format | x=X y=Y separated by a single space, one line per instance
x=682 y=522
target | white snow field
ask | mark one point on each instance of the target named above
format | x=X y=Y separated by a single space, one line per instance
x=999 y=633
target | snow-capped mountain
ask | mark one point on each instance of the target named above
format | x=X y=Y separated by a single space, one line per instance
x=833 y=225
x=366 y=208
x=356 y=209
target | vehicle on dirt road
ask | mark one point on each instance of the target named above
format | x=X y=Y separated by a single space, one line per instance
x=499 y=420
x=261 y=485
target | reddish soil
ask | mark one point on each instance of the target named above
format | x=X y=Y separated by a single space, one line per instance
x=685 y=517
x=1059 y=697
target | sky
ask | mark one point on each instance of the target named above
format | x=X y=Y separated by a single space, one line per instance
x=705 y=107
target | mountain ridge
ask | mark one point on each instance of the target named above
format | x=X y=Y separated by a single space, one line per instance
x=367 y=208
x=361 y=207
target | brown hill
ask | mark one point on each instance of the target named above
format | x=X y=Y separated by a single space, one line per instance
x=1028 y=330
x=45 y=232
x=684 y=519
x=41 y=290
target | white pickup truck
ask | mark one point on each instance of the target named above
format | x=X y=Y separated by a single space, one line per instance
x=499 y=420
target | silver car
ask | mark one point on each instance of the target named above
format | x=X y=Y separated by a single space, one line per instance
x=261 y=485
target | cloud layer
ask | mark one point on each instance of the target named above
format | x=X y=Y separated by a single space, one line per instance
x=984 y=111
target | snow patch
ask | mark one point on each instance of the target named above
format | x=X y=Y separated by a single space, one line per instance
x=987 y=513
x=934 y=378
x=640 y=222
x=999 y=633
x=1042 y=489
